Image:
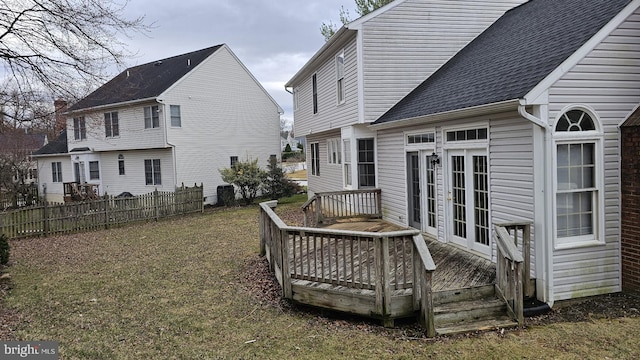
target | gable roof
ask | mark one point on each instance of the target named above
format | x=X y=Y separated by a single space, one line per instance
x=510 y=58
x=144 y=81
x=57 y=146
x=21 y=141
x=633 y=120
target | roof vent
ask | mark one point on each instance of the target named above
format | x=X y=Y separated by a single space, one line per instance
x=188 y=62
x=158 y=63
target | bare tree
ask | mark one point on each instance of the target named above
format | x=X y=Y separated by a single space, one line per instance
x=363 y=7
x=61 y=47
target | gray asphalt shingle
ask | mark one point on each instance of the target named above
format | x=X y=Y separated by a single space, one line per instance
x=510 y=58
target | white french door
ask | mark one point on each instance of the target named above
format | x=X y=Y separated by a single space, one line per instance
x=468 y=199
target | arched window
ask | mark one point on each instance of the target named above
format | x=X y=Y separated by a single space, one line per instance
x=121 y=164
x=578 y=178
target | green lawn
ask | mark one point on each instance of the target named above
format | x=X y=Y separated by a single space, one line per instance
x=178 y=289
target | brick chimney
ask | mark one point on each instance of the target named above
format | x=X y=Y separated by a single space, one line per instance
x=61 y=119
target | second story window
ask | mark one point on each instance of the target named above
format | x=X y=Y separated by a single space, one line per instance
x=176 y=121
x=111 y=126
x=79 y=128
x=151 y=117
x=314 y=85
x=340 y=77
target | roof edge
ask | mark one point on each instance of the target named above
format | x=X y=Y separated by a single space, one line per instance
x=112 y=105
x=485 y=109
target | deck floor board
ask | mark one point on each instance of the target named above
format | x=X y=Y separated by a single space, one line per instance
x=455 y=267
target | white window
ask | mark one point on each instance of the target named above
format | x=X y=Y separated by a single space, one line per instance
x=176 y=121
x=233 y=160
x=111 y=126
x=151 y=117
x=315 y=159
x=578 y=183
x=79 y=128
x=94 y=170
x=121 y=164
x=314 y=86
x=426 y=138
x=334 y=153
x=347 y=162
x=56 y=171
x=152 y=172
x=366 y=163
x=340 y=77
x=467 y=135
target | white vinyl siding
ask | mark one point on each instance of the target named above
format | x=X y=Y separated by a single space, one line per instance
x=331 y=114
x=131 y=132
x=607 y=81
x=133 y=180
x=224 y=112
x=406 y=44
x=330 y=178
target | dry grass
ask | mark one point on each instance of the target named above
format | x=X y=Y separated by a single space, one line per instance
x=179 y=289
x=298 y=175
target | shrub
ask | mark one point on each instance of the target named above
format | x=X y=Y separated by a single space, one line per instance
x=277 y=185
x=247 y=177
x=4 y=249
x=287 y=148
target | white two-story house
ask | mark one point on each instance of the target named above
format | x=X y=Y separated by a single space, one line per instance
x=367 y=67
x=169 y=122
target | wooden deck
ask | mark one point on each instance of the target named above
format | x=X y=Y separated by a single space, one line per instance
x=456 y=268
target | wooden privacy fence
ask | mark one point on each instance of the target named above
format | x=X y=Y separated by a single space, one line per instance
x=103 y=213
x=380 y=275
x=330 y=206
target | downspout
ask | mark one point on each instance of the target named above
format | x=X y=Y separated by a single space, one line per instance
x=166 y=140
x=548 y=201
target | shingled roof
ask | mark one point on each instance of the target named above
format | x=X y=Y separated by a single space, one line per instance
x=510 y=58
x=144 y=81
x=57 y=146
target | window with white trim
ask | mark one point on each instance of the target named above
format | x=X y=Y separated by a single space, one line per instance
x=79 y=128
x=340 y=77
x=151 y=117
x=94 y=170
x=111 y=126
x=578 y=184
x=366 y=163
x=121 y=164
x=152 y=173
x=347 y=162
x=176 y=120
x=334 y=152
x=315 y=159
x=314 y=89
x=56 y=171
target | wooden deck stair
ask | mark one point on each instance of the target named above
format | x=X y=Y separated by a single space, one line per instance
x=466 y=310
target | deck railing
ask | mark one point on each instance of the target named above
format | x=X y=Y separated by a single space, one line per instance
x=521 y=234
x=330 y=206
x=509 y=264
x=351 y=260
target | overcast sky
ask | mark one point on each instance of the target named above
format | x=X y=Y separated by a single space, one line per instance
x=273 y=38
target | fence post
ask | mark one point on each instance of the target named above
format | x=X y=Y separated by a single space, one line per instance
x=155 y=204
x=201 y=193
x=45 y=213
x=107 y=203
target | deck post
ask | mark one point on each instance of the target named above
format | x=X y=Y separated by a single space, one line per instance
x=262 y=224
x=286 y=273
x=318 y=210
x=386 y=277
x=426 y=310
x=377 y=246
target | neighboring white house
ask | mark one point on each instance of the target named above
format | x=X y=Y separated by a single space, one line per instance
x=159 y=125
x=521 y=125
x=364 y=69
